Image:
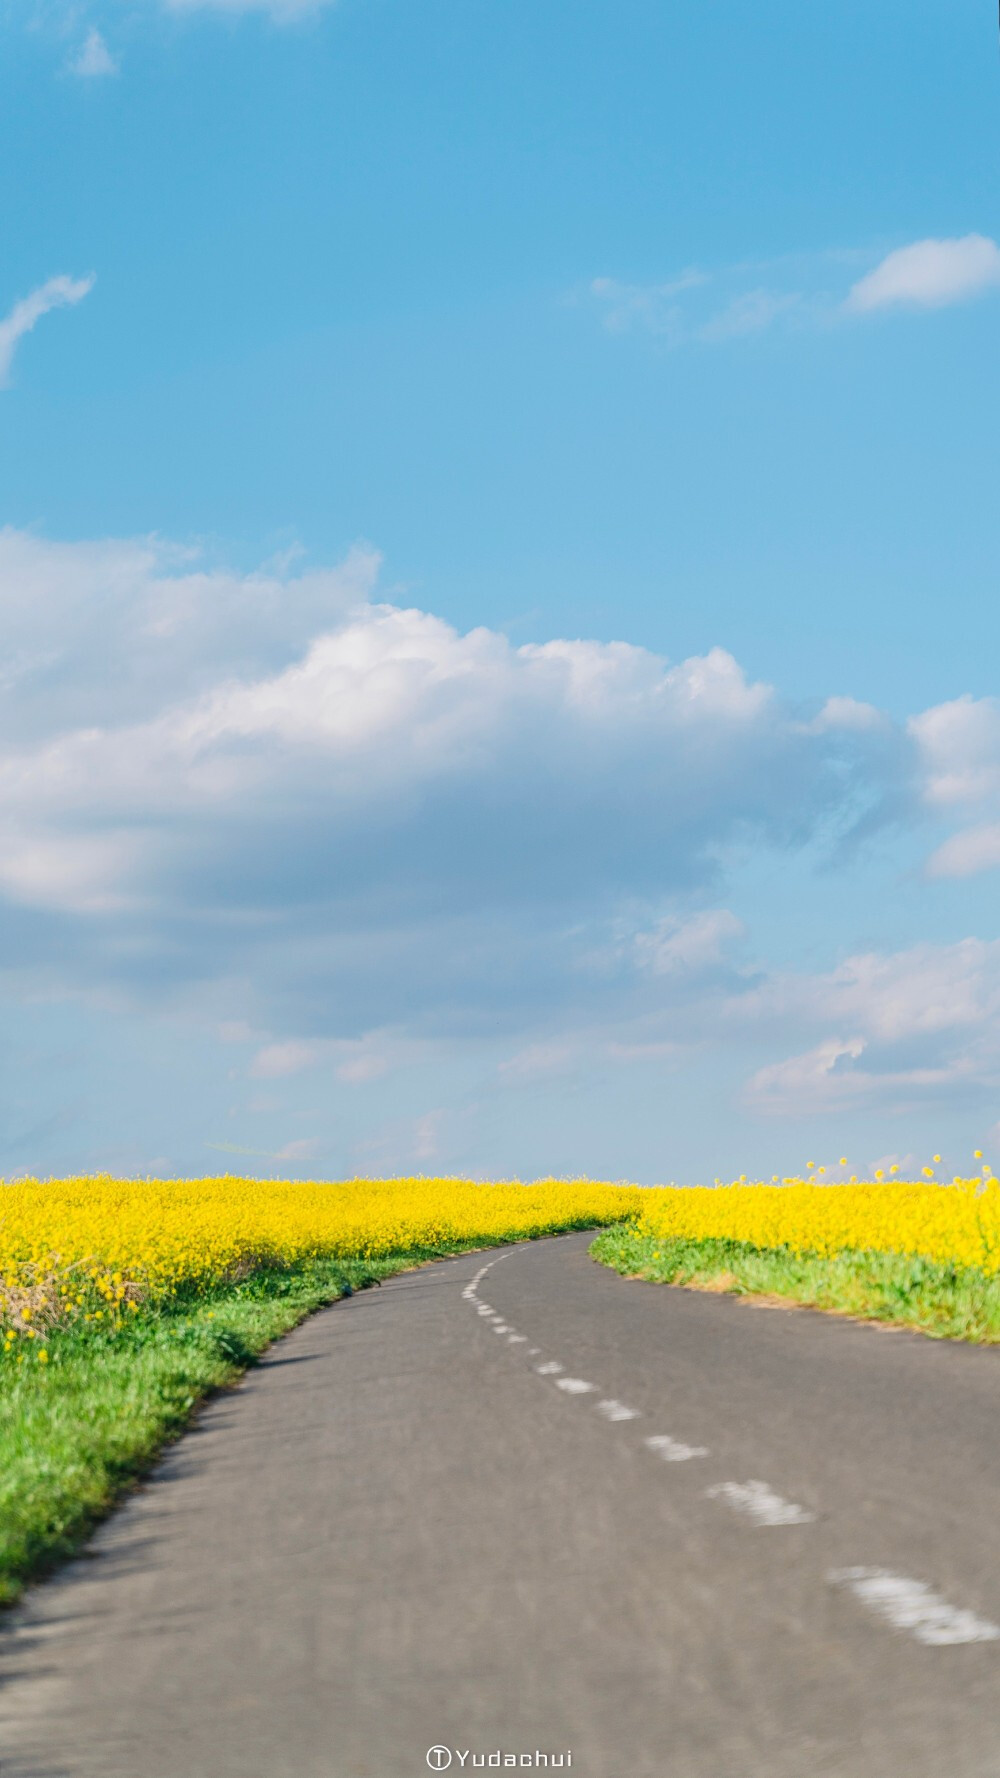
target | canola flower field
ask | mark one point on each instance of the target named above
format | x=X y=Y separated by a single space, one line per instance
x=956 y=1223
x=123 y=1302
x=96 y=1251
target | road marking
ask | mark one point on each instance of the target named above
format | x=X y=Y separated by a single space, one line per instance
x=574 y=1385
x=500 y=1327
x=912 y=1605
x=672 y=1451
x=533 y=1351
x=616 y=1410
x=760 y=1503
x=516 y=1339
x=550 y=1368
x=484 y=1309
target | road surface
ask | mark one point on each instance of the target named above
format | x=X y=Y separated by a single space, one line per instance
x=513 y=1504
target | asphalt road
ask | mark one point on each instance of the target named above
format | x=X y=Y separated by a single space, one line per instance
x=407 y=1529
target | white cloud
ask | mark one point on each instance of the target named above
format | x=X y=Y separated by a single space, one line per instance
x=968 y=852
x=352 y=835
x=959 y=745
x=958 y=748
x=675 y=946
x=93 y=60
x=56 y=293
x=921 y=1021
x=847 y=713
x=667 y=311
x=731 y=303
x=538 y=1061
x=653 y=307
x=830 y=1078
x=276 y=1060
x=362 y=1067
x=302 y=1149
x=929 y=275
x=355 y=840
x=351 y=831
x=922 y=991
x=806 y=1083
x=750 y=312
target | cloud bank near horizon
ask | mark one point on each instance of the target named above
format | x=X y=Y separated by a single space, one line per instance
x=344 y=829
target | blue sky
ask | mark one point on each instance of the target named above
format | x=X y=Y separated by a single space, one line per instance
x=498 y=585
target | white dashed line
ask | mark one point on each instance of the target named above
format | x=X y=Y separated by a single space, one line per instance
x=574 y=1385
x=760 y=1503
x=672 y=1451
x=550 y=1368
x=912 y=1605
x=500 y=1327
x=616 y=1410
x=516 y=1339
x=533 y=1351
x=484 y=1309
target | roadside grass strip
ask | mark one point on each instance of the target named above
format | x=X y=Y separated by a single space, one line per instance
x=938 y=1297
x=123 y=1303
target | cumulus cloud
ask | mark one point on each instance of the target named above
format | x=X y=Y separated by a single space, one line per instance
x=368 y=819
x=351 y=834
x=93 y=60
x=958 y=745
x=675 y=946
x=899 y=1025
x=276 y=1060
x=967 y=853
x=54 y=294
x=813 y=1081
x=929 y=275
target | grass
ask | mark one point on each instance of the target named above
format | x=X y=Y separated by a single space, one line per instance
x=77 y=1433
x=945 y=1301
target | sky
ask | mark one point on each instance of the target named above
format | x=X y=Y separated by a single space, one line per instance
x=498 y=586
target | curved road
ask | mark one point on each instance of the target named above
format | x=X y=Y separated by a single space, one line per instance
x=513 y=1503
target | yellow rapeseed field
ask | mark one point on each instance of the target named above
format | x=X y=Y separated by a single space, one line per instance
x=95 y=1248
x=958 y=1222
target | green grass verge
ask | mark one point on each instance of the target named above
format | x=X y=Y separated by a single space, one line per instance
x=76 y=1433
x=948 y=1302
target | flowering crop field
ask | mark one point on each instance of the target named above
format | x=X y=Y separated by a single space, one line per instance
x=123 y=1302
x=956 y=1223
x=96 y=1250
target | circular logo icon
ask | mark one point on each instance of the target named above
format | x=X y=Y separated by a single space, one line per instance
x=439 y=1758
